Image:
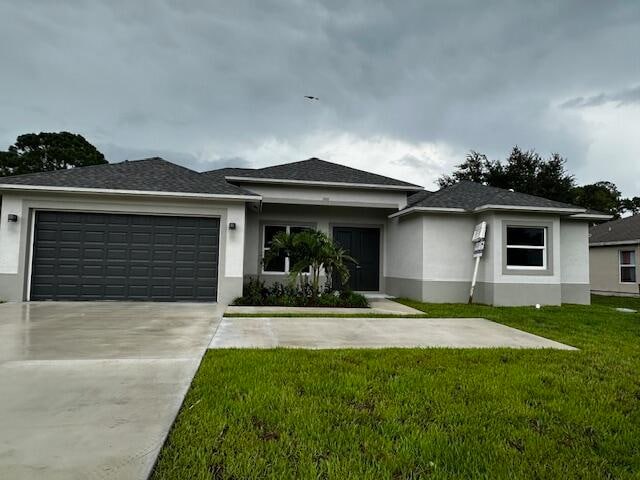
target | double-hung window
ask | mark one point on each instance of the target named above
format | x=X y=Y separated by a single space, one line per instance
x=281 y=263
x=627 y=266
x=526 y=248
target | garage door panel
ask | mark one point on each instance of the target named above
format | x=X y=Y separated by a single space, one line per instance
x=93 y=270
x=114 y=254
x=83 y=256
x=203 y=272
x=160 y=256
x=164 y=238
x=117 y=237
x=185 y=256
x=139 y=255
x=115 y=291
x=116 y=271
x=51 y=235
x=205 y=291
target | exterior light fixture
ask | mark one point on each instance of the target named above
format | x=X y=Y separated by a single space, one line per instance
x=12 y=217
x=232 y=225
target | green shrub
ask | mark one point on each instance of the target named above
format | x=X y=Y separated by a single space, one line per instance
x=256 y=293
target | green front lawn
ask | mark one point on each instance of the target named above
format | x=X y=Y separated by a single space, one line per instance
x=423 y=413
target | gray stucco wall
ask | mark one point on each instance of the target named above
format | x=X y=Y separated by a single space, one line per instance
x=579 y=293
x=442 y=251
x=574 y=262
x=499 y=294
x=605 y=270
x=320 y=217
x=15 y=237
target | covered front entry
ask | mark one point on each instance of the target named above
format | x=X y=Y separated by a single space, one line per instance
x=104 y=256
x=363 y=244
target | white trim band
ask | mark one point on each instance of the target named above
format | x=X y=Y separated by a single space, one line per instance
x=428 y=209
x=529 y=209
x=591 y=216
x=108 y=191
x=621 y=242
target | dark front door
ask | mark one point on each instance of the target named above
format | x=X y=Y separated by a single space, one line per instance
x=103 y=256
x=363 y=244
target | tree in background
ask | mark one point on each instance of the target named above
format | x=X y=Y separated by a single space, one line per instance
x=631 y=205
x=474 y=169
x=523 y=171
x=528 y=172
x=46 y=151
x=602 y=196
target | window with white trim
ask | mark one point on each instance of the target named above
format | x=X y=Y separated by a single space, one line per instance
x=281 y=263
x=526 y=248
x=627 y=266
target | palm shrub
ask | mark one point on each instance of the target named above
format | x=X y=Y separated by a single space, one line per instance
x=311 y=251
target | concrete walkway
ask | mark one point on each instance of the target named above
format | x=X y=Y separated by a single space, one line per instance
x=378 y=306
x=317 y=333
x=90 y=389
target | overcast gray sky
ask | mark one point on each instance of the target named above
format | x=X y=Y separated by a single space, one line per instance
x=406 y=87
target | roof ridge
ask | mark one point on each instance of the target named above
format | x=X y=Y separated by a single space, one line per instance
x=164 y=161
x=229 y=168
x=298 y=163
x=499 y=190
x=64 y=171
x=152 y=174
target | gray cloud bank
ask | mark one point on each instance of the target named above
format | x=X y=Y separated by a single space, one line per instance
x=624 y=97
x=208 y=82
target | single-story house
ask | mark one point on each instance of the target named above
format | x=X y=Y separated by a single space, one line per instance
x=614 y=257
x=153 y=230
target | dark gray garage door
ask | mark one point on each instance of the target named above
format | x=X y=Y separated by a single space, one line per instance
x=98 y=256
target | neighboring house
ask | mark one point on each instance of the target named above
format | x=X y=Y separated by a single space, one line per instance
x=614 y=257
x=152 y=230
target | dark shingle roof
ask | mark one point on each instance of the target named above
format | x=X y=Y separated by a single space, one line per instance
x=417 y=197
x=469 y=196
x=315 y=170
x=621 y=230
x=150 y=174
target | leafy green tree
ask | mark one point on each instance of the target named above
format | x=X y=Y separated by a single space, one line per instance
x=523 y=171
x=46 y=151
x=631 y=205
x=9 y=163
x=475 y=168
x=602 y=196
x=310 y=251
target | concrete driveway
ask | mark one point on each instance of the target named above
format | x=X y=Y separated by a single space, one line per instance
x=90 y=389
x=304 y=332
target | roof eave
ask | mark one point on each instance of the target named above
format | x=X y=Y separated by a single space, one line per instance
x=108 y=191
x=591 y=216
x=482 y=208
x=614 y=243
x=282 y=181
x=527 y=208
x=411 y=210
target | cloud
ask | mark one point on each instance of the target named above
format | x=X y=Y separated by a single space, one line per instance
x=627 y=96
x=420 y=163
x=410 y=86
x=412 y=161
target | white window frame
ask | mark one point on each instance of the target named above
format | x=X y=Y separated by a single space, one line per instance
x=627 y=265
x=542 y=247
x=264 y=249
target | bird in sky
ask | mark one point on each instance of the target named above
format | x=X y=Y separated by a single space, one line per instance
x=310 y=97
